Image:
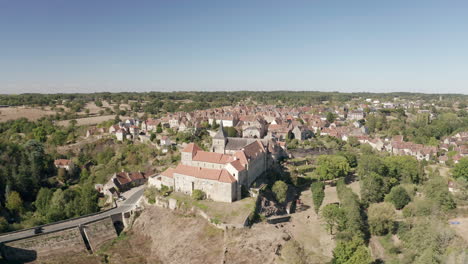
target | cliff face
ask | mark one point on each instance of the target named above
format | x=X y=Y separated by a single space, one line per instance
x=163 y=236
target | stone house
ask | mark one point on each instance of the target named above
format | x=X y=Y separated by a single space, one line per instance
x=127 y=180
x=280 y=132
x=302 y=132
x=252 y=126
x=63 y=164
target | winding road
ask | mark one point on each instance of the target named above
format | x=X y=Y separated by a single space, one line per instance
x=124 y=206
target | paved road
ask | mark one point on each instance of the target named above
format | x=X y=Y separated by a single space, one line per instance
x=124 y=206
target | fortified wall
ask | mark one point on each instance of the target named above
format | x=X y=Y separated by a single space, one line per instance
x=82 y=239
x=50 y=244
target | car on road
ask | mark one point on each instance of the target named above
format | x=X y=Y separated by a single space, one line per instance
x=121 y=199
x=38 y=230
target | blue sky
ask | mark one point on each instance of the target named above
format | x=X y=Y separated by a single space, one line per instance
x=377 y=46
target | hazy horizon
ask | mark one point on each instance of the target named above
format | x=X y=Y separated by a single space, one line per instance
x=119 y=46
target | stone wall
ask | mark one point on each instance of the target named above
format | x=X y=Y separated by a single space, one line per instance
x=45 y=245
x=99 y=232
x=215 y=190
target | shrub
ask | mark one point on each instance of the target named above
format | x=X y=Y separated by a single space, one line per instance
x=280 y=189
x=151 y=193
x=422 y=207
x=198 y=194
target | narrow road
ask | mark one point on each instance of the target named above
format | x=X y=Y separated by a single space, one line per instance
x=126 y=205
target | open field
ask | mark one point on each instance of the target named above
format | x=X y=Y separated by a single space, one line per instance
x=88 y=120
x=31 y=113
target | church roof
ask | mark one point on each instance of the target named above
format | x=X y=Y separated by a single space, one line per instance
x=204 y=173
x=221 y=134
x=212 y=157
x=191 y=148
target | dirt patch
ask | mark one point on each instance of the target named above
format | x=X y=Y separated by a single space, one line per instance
x=175 y=238
x=377 y=250
x=308 y=229
x=255 y=245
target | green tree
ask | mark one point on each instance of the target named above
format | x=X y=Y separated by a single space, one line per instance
x=89 y=199
x=331 y=117
x=152 y=136
x=404 y=168
x=381 y=218
x=461 y=169
x=398 y=196
x=334 y=216
x=361 y=256
x=280 y=189
x=318 y=194
x=40 y=134
x=56 y=211
x=14 y=203
x=369 y=163
x=330 y=167
x=353 y=251
x=372 y=189
x=42 y=200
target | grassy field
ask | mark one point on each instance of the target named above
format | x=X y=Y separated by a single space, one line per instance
x=31 y=113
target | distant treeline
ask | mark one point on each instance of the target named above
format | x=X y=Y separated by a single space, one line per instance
x=214 y=99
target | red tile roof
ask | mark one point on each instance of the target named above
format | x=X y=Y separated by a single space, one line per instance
x=168 y=173
x=204 y=173
x=237 y=165
x=212 y=157
x=191 y=148
x=62 y=162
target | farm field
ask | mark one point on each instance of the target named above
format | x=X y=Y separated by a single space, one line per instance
x=31 y=113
